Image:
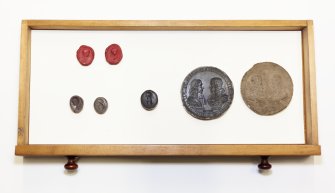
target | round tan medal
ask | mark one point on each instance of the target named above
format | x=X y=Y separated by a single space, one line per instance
x=267 y=88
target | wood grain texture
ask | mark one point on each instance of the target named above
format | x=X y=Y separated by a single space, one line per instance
x=167 y=150
x=309 y=80
x=258 y=25
x=24 y=88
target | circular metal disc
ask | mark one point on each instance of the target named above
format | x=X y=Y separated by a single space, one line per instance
x=76 y=104
x=100 y=105
x=149 y=100
x=207 y=92
x=267 y=88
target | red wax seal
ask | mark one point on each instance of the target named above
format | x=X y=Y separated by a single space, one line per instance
x=85 y=55
x=113 y=54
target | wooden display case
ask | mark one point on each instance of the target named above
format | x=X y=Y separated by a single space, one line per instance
x=310 y=147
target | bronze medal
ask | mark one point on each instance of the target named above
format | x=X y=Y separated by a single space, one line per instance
x=207 y=92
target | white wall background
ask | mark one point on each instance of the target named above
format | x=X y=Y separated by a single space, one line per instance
x=123 y=175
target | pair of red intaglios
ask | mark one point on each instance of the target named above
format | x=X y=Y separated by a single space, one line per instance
x=113 y=54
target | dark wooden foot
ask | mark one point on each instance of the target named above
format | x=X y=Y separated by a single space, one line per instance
x=264 y=165
x=71 y=163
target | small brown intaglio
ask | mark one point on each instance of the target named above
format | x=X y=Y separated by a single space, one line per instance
x=100 y=105
x=76 y=104
x=267 y=88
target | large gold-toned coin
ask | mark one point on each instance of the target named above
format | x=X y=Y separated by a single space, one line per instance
x=267 y=88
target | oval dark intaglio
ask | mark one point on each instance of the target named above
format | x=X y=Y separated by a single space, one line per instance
x=267 y=88
x=149 y=100
x=207 y=92
x=100 y=105
x=76 y=104
x=85 y=55
x=113 y=54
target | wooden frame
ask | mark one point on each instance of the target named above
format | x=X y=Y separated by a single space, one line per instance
x=311 y=146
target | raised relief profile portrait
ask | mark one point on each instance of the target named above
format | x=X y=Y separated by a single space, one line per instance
x=207 y=92
x=217 y=95
x=196 y=97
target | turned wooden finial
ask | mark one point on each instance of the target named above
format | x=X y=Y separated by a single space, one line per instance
x=264 y=165
x=71 y=163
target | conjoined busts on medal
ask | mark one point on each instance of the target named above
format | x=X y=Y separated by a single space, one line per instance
x=207 y=92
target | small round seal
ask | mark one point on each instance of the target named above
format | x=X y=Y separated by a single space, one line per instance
x=85 y=55
x=207 y=92
x=76 y=104
x=267 y=88
x=149 y=100
x=100 y=105
x=113 y=54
